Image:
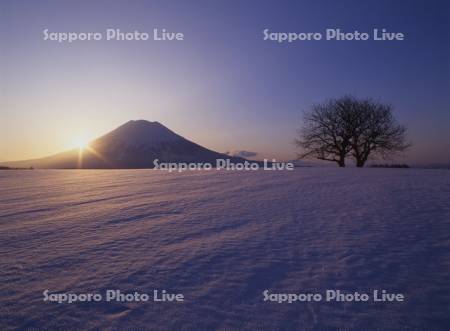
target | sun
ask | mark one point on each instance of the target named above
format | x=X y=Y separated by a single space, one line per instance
x=81 y=143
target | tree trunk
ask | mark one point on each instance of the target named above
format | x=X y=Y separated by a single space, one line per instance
x=341 y=163
x=360 y=163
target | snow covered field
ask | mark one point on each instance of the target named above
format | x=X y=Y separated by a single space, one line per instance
x=221 y=239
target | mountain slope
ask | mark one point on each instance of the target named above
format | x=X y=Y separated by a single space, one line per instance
x=135 y=144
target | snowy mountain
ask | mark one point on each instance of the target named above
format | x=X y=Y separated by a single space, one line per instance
x=135 y=144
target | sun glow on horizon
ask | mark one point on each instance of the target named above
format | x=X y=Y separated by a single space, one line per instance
x=85 y=150
x=81 y=143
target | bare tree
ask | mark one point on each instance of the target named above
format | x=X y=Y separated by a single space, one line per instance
x=375 y=132
x=324 y=135
x=348 y=126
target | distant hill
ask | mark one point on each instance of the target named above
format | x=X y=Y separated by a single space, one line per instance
x=134 y=144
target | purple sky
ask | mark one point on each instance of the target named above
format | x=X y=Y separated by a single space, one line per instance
x=223 y=86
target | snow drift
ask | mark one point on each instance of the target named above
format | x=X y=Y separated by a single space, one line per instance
x=222 y=238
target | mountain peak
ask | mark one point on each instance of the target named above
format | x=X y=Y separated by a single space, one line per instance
x=142 y=122
x=142 y=132
x=136 y=123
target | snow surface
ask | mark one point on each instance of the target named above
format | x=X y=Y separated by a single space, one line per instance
x=221 y=239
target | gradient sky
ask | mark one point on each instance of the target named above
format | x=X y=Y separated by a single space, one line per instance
x=223 y=86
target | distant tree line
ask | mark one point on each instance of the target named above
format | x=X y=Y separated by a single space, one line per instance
x=389 y=165
x=350 y=127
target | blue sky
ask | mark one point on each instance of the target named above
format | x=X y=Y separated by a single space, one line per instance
x=223 y=87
